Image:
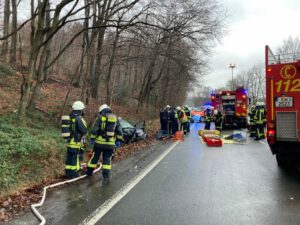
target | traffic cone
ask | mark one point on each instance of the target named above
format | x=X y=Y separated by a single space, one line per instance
x=178 y=136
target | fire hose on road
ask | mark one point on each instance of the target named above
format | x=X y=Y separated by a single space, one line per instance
x=34 y=206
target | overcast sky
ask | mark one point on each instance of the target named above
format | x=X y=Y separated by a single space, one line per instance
x=252 y=25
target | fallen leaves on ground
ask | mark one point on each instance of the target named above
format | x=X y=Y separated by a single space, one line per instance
x=19 y=203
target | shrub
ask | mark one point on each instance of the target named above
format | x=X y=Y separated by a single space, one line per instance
x=26 y=153
x=6 y=70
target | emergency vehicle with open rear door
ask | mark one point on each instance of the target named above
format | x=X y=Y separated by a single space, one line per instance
x=283 y=105
x=233 y=104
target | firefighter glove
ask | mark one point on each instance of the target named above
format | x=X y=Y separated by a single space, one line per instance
x=92 y=142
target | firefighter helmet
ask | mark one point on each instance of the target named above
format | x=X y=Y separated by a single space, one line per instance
x=215 y=112
x=78 y=105
x=102 y=107
x=260 y=104
x=178 y=108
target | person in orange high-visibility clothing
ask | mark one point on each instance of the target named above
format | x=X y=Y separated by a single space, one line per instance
x=182 y=119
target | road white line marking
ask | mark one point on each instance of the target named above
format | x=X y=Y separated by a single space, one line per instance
x=108 y=204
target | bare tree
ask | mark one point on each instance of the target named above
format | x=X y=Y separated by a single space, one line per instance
x=289 y=50
x=6 y=25
x=148 y=49
x=254 y=81
x=14 y=37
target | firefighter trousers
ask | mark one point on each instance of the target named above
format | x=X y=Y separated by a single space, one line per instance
x=183 y=127
x=218 y=124
x=174 y=127
x=72 y=163
x=188 y=127
x=207 y=125
x=106 y=155
x=259 y=131
x=252 y=129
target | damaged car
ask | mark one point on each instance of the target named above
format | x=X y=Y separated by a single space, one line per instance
x=132 y=133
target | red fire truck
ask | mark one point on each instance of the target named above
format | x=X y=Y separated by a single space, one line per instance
x=283 y=105
x=233 y=104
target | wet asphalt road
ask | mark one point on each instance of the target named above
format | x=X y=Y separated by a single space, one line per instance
x=193 y=184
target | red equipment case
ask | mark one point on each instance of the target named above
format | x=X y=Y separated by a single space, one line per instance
x=214 y=142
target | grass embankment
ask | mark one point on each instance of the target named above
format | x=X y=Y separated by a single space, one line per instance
x=28 y=153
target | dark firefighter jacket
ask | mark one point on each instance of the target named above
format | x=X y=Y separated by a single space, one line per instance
x=79 y=129
x=100 y=140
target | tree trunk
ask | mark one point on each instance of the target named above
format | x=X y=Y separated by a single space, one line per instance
x=109 y=87
x=27 y=84
x=6 y=27
x=42 y=69
x=98 y=61
x=41 y=76
x=14 y=37
x=85 y=43
x=147 y=80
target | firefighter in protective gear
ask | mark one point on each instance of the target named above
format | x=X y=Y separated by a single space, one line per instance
x=182 y=119
x=188 y=114
x=75 y=142
x=174 y=121
x=169 y=122
x=259 y=119
x=251 y=114
x=208 y=118
x=164 y=116
x=218 y=118
x=163 y=120
x=106 y=130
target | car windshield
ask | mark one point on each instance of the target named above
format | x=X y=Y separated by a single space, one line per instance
x=125 y=124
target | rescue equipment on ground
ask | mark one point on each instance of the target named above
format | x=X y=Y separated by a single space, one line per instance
x=237 y=137
x=214 y=142
x=213 y=138
x=202 y=132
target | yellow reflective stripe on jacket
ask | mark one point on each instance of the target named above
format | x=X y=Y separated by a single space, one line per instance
x=103 y=119
x=84 y=122
x=73 y=144
x=106 y=167
x=101 y=140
